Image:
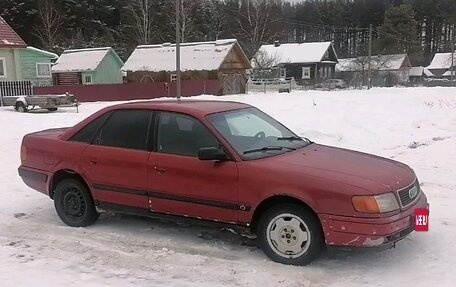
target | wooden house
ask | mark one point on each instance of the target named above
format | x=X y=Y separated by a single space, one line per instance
x=88 y=67
x=22 y=63
x=222 y=60
x=307 y=63
x=386 y=70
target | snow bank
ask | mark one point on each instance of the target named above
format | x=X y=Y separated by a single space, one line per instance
x=416 y=126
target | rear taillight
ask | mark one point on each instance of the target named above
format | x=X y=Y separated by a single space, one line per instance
x=23 y=153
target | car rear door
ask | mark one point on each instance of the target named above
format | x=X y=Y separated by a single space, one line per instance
x=116 y=162
x=180 y=183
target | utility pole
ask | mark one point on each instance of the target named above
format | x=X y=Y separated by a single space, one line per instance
x=369 y=58
x=178 y=70
x=452 y=56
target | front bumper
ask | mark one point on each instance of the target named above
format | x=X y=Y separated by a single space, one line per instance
x=370 y=232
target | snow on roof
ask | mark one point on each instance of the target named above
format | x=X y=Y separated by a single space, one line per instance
x=416 y=71
x=380 y=63
x=80 y=60
x=428 y=73
x=50 y=54
x=8 y=37
x=448 y=74
x=296 y=53
x=441 y=61
x=420 y=72
x=198 y=56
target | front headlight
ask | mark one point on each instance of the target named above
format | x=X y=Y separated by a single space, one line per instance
x=375 y=204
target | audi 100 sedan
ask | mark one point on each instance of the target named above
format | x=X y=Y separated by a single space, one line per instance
x=227 y=163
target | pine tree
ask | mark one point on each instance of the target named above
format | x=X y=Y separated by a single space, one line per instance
x=398 y=34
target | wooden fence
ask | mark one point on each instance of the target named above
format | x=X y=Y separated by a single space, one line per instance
x=132 y=91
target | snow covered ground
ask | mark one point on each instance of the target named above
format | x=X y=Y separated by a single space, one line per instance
x=416 y=126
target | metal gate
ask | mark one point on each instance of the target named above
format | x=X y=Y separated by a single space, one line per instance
x=15 y=88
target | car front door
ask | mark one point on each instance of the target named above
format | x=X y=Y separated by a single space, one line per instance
x=116 y=161
x=180 y=183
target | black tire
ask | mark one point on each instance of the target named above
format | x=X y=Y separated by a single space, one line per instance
x=52 y=109
x=74 y=203
x=307 y=221
x=21 y=107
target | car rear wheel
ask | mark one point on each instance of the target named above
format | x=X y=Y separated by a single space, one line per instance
x=52 y=109
x=289 y=234
x=74 y=203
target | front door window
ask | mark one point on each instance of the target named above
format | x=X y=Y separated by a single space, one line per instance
x=182 y=135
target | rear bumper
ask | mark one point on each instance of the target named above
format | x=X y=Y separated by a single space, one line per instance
x=370 y=232
x=35 y=179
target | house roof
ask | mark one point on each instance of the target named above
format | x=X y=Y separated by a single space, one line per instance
x=81 y=60
x=46 y=53
x=8 y=37
x=297 y=53
x=381 y=63
x=420 y=72
x=441 y=61
x=198 y=56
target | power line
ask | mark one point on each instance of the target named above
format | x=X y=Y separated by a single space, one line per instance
x=308 y=24
x=323 y=26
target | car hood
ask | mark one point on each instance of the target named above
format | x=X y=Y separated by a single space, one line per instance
x=363 y=170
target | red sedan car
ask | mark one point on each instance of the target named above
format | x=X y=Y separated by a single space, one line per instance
x=222 y=162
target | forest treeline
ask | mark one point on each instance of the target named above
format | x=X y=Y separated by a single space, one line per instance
x=417 y=27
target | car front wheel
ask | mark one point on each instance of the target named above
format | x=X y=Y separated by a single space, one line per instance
x=74 y=204
x=290 y=234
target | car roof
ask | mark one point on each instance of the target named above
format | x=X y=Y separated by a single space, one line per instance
x=192 y=107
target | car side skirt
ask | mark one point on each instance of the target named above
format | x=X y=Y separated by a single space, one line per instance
x=143 y=212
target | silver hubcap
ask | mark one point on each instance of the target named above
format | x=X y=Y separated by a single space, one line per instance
x=288 y=235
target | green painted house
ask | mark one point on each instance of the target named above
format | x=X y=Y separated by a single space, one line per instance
x=19 y=62
x=88 y=67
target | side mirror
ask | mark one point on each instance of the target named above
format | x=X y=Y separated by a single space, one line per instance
x=212 y=153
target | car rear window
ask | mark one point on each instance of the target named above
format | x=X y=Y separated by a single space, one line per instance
x=87 y=133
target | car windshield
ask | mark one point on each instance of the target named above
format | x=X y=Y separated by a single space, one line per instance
x=254 y=134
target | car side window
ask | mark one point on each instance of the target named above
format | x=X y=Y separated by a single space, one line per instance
x=87 y=133
x=183 y=135
x=126 y=129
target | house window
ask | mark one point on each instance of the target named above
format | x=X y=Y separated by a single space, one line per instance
x=173 y=77
x=321 y=73
x=306 y=72
x=2 y=68
x=283 y=72
x=43 y=70
x=88 y=79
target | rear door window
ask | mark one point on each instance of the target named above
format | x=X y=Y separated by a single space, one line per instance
x=126 y=129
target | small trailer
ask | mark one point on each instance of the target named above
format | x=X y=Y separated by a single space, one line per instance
x=23 y=104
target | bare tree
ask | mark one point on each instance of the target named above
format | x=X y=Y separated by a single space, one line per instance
x=267 y=66
x=263 y=60
x=49 y=29
x=359 y=67
x=141 y=13
x=256 y=22
x=214 y=18
x=187 y=21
